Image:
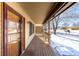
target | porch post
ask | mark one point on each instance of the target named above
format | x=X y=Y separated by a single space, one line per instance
x=49 y=32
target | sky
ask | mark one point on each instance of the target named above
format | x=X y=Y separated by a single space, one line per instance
x=71 y=15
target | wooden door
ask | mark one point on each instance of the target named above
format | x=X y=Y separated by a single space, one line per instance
x=13 y=31
x=13 y=34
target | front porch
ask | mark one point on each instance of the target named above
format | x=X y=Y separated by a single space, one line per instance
x=37 y=47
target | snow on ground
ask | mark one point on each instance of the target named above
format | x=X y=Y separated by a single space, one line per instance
x=66 y=44
x=69 y=36
x=75 y=32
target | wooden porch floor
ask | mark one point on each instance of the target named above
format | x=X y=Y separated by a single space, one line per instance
x=38 y=48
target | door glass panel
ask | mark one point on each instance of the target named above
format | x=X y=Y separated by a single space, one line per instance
x=12 y=31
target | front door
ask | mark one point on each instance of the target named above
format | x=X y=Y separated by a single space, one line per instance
x=13 y=34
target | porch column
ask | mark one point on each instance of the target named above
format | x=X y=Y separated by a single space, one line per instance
x=49 y=32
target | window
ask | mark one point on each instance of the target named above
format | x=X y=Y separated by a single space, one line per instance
x=66 y=25
x=46 y=27
x=12 y=30
x=31 y=28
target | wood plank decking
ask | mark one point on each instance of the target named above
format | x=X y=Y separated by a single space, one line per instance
x=38 y=48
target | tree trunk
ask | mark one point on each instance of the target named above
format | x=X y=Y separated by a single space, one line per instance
x=55 y=31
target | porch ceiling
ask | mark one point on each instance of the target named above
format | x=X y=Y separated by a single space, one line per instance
x=37 y=10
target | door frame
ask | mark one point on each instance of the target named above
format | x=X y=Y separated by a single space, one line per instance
x=5 y=40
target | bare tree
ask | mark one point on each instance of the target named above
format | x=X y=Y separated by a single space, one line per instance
x=56 y=22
